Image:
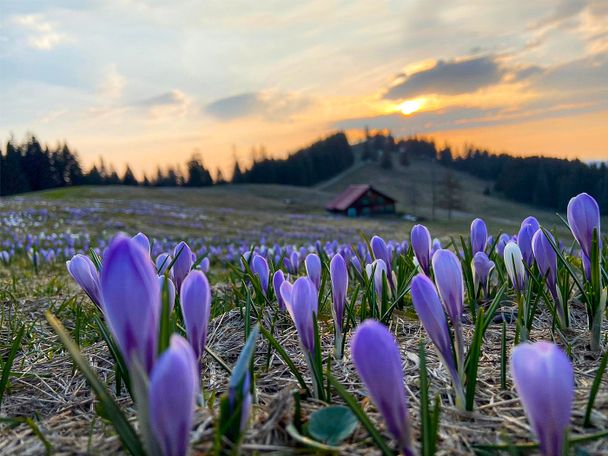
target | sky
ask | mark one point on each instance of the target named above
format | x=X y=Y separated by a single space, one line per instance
x=151 y=82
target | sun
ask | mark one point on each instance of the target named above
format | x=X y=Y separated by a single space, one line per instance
x=410 y=106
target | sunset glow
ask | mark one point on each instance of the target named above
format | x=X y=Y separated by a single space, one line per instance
x=410 y=106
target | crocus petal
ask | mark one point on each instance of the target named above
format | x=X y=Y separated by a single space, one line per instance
x=544 y=380
x=83 y=271
x=479 y=235
x=448 y=277
x=301 y=305
x=277 y=280
x=131 y=300
x=429 y=310
x=382 y=252
x=174 y=385
x=584 y=218
x=162 y=264
x=259 y=266
x=514 y=263
x=182 y=264
x=376 y=357
x=339 y=287
x=313 y=269
x=195 y=299
x=524 y=241
x=546 y=259
x=421 y=243
x=165 y=281
x=143 y=241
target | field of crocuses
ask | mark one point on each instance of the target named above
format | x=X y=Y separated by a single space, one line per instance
x=156 y=328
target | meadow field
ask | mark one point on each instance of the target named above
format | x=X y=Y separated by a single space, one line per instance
x=49 y=407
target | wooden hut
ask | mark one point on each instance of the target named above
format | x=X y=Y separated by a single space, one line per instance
x=359 y=200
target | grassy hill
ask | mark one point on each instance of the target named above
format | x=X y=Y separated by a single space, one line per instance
x=283 y=213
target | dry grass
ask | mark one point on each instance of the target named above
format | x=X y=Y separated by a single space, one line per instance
x=48 y=389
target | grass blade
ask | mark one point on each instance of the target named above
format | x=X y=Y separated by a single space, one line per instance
x=597 y=381
x=8 y=364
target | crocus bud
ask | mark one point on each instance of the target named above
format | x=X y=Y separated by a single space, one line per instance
x=301 y=303
x=448 y=277
x=183 y=263
x=546 y=259
x=195 y=299
x=479 y=235
x=421 y=243
x=164 y=281
x=174 y=386
x=532 y=221
x=356 y=264
x=162 y=264
x=313 y=269
x=381 y=252
x=482 y=266
x=435 y=246
x=524 y=241
x=83 y=271
x=378 y=269
x=277 y=280
x=501 y=244
x=339 y=287
x=429 y=310
x=131 y=300
x=544 y=380
x=143 y=241
x=378 y=362
x=584 y=218
x=514 y=262
x=259 y=266
x=205 y=265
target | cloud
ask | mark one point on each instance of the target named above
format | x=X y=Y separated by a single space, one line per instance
x=269 y=105
x=448 y=77
x=113 y=84
x=41 y=33
x=171 y=103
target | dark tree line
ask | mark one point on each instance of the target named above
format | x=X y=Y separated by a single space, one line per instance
x=540 y=181
x=29 y=166
x=315 y=163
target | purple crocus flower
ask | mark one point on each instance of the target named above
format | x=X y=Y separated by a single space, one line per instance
x=83 y=271
x=378 y=269
x=482 y=266
x=165 y=281
x=174 y=385
x=376 y=357
x=143 y=241
x=584 y=218
x=313 y=268
x=205 y=265
x=131 y=300
x=431 y=314
x=479 y=235
x=381 y=252
x=514 y=263
x=435 y=246
x=259 y=266
x=544 y=380
x=421 y=243
x=448 y=277
x=277 y=280
x=162 y=264
x=356 y=264
x=546 y=259
x=182 y=264
x=301 y=302
x=524 y=239
x=195 y=299
x=339 y=287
